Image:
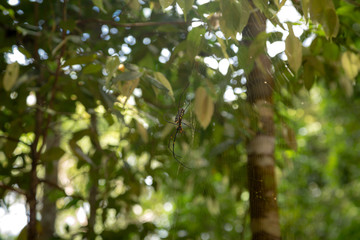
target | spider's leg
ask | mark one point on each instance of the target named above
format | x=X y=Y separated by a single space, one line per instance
x=172 y=139
x=182 y=164
x=187 y=106
x=173 y=123
x=173 y=149
x=196 y=130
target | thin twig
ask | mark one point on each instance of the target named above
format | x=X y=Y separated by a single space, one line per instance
x=138 y=24
x=56 y=186
x=17 y=190
x=53 y=90
x=15 y=140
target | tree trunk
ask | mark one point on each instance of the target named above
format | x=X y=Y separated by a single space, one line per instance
x=260 y=149
x=48 y=212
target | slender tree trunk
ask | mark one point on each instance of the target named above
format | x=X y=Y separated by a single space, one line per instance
x=48 y=212
x=260 y=149
x=94 y=177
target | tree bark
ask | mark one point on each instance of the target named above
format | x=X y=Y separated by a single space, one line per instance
x=260 y=149
x=48 y=212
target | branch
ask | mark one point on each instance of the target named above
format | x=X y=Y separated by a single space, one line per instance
x=17 y=190
x=15 y=140
x=138 y=24
x=56 y=186
x=57 y=73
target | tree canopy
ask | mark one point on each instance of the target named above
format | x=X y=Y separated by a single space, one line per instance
x=124 y=119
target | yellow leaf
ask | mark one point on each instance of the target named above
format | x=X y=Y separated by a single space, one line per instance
x=166 y=3
x=11 y=75
x=204 y=107
x=350 y=63
x=142 y=131
x=293 y=50
x=161 y=78
x=128 y=87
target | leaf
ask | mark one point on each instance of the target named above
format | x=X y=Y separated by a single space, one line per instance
x=127 y=76
x=11 y=75
x=258 y=45
x=330 y=23
x=275 y=36
x=166 y=3
x=80 y=154
x=68 y=24
x=143 y=132
x=186 y=6
x=323 y=12
x=52 y=154
x=348 y=85
x=293 y=50
x=109 y=118
x=92 y=68
x=161 y=78
x=235 y=15
x=128 y=87
x=100 y=5
x=133 y=5
x=289 y=136
x=316 y=8
x=209 y=7
x=351 y=64
x=24 y=51
x=155 y=82
x=305 y=8
x=309 y=76
x=193 y=41
x=245 y=62
x=331 y=51
x=111 y=66
x=204 y=107
x=80 y=60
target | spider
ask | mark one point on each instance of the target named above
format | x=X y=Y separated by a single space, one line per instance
x=178 y=123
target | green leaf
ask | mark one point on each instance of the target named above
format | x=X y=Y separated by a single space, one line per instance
x=309 y=76
x=166 y=3
x=258 y=45
x=316 y=9
x=235 y=15
x=331 y=51
x=161 y=78
x=155 y=82
x=323 y=12
x=330 y=23
x=10 y=76
x=92 y=68
x=275 y=36
x=24 y=51
x=68 y=24
x=100 y=5
x=193 y=41
x=347 y=85
x=210 y=7
x=109 y=118
x=305 y=8
x=52 y=154
x=293 y=50
x=112 y=64
x=186 y=6
x=127 y=76
x=245 y=62
x=261 y=4
x=80 y=60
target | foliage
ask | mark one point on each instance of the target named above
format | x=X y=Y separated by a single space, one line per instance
x=108 y=75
